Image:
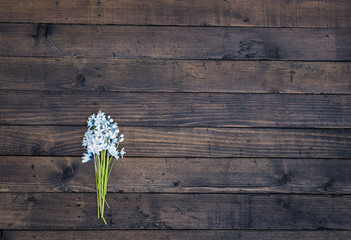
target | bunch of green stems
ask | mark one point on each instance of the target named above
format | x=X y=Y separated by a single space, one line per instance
x=103 y=165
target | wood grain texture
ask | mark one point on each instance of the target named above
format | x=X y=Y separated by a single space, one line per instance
x=177 y=109
x=184 y=142
x=271 y=13
x=214 y=151
x=179 y=175
x=178 y=234
x=174 y=42
x=174 y=211
x=28 y=73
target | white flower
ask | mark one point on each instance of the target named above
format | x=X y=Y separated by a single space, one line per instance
x=86 y=158
x=121 y=138
x=122 y=152
x=113 y=152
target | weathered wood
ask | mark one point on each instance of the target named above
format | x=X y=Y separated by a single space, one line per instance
x=174 y=42
x=179 y=175
x=177 y=109
x=199 y=178
x=17 y=73
x=179 y=234
x=174 y=211
x=184 y=142
x=271 y=13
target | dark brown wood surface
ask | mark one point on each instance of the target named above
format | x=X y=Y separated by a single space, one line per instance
x=178 y=234
x=137 y=75
x=179 y=175
x=269 y=13
x=174 y=211
x=174 y=42
x=184 y=142
x=177 y=109
x=237 y=118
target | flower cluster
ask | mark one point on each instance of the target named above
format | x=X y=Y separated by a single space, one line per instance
x=102 y=135
x=102 y=141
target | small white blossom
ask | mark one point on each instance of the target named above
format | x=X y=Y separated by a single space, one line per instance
x=86 y=157
x=121 y=138
x=122 y=152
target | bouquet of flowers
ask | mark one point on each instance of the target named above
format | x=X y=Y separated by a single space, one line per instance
x=101 y=141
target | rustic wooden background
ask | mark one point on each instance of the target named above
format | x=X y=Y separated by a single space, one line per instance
x=237 y=117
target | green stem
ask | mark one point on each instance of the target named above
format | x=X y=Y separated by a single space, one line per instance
x=102 y=159
x=103 y=163
x=107 y=159
x=100 y=186
x=97 y=185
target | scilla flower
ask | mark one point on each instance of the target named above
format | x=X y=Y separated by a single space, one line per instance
x=101 y=141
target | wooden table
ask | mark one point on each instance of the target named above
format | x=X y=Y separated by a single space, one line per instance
x=236 y=115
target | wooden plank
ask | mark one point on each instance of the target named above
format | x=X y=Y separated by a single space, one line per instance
x=177 y=109
x=174 y=42
x=271 y=13
x=178 y=234
x=179 y=175
x=184 y=142
x=27 y=73
x=174 y=211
